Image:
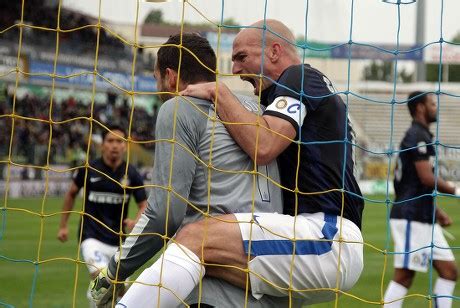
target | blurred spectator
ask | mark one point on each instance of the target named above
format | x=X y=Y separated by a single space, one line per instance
x=69 y=138
x=76 y=154
x=41 y=13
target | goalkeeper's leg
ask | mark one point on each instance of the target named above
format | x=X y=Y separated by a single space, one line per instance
x=104 y=292
x=179 y=270
x=96 y=255
x=167 y=282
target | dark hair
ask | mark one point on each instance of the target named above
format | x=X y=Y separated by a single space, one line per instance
x=191 y=71
x=110 y=129
x=415 y=98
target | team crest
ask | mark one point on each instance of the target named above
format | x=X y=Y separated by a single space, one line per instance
x=281 y=103
x=125 y=181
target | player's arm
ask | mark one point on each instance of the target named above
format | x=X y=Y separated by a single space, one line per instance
x=130 y=223
x=69 y=201
x=425 y=173
x=263 y=138
x=427 y=178
x=141 y=208
x=442 y=218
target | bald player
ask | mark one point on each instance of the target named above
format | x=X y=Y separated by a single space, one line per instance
x=316 y=242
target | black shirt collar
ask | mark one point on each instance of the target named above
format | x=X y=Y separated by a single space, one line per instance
x=420 y=125
x=265 y=95
x=107 y=167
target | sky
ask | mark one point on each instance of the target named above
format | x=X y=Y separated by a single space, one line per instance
x=327 y=21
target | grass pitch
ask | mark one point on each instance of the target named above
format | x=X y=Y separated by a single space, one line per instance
x=36 y=270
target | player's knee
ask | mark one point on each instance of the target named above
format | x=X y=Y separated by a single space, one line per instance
x=191 y=236
x=452 y=276
x=405 y=281
x=448 y=271
x=404 y=277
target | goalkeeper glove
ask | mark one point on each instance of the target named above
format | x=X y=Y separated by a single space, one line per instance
x=102 y=289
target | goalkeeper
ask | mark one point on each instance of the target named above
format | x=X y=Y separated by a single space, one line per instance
x=204 y=166
x=315 y=249
x=105 y=200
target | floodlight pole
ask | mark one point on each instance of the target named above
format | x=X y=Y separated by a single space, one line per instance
x=420 y=38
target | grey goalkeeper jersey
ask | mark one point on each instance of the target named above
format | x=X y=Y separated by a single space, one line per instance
x=199 y=170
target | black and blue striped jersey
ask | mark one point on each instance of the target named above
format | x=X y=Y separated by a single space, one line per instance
x=413 y=200
x=104 y=199
x=323 y=161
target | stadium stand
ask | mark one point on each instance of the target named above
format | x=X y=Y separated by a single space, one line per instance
x=66 y=137
x=378 y=131
x=68 y=141
x=77 y=51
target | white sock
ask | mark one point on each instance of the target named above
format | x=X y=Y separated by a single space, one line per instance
x=444 y=287
x=394 y=291
x=181 y=272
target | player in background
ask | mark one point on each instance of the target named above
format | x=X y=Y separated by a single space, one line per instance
x=218 y=181
x=305 y=134
x=105 y=200
x=411 y=217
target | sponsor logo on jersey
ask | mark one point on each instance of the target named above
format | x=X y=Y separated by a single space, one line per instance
x=104 y=197
x=257 y=222
x=94 y=180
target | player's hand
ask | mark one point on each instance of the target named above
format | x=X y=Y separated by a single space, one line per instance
x=457 y=191
x=206 y=91
x=442 y=218
x=203 y=90
x=63 y=234
x=102 y=289
x=455 y=187
x=129 y=224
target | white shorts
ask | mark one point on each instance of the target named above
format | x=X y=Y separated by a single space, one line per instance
x=410 y=238
x=315 y=263
x=96 y=254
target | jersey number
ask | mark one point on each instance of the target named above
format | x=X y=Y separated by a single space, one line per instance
x=98 y=256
